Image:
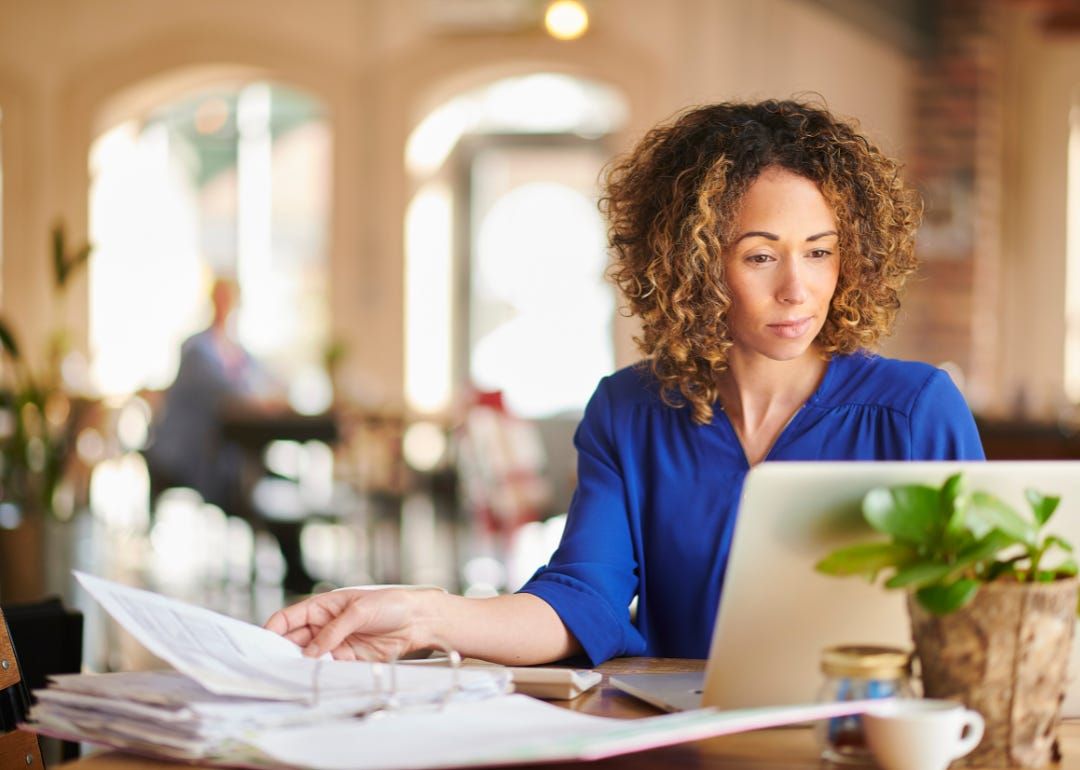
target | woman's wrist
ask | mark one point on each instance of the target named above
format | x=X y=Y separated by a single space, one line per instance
x=429 y=614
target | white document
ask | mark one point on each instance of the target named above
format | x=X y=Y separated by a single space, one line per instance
x=230 y=657
x=512 y=729
x=174 y=699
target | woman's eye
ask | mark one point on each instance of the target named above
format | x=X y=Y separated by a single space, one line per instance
x=820 y=253
x=759 y=259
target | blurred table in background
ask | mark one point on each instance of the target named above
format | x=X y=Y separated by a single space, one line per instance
x=1023 y=440
x=255 y=429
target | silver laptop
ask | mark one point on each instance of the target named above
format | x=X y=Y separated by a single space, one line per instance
x=777 y=614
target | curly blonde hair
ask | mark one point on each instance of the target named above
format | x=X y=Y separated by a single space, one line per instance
x=671 y=204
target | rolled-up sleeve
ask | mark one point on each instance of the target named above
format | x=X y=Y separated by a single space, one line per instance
x=942 y=427
x=593 y=575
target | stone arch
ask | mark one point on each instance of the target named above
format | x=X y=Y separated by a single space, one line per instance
x=418 y=79
x=122 y=81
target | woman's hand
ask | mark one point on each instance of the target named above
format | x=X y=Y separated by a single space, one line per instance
x=391 y=623
x=358 y=623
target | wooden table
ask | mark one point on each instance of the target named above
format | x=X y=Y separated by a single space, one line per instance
x=779 y=749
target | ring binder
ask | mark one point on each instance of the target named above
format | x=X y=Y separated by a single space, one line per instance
x=387 y=700
x=455 y=675
x=315 y=681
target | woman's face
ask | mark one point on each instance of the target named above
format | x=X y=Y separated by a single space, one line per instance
x=782 y=267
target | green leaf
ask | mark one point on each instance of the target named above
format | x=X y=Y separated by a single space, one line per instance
x=865 y=559
x=1067 y=568
x=908 y=513
x=943 y=599
x=82 y=256
x=920 y=574
x=982 y=550
x=59 y=267
x=1043 y=506
x=1001 y=568
x=999 y=515
x=1060 y=542
x=7 y=340
x=78 y=260
x=953 y=503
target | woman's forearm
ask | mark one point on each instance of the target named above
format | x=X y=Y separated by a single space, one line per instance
x=519 y=629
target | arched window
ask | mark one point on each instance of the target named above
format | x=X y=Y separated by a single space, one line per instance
x=225 y=181
x=505 y=245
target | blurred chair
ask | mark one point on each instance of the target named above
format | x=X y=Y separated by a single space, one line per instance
x=274 y=504
x=48 y=638
x=17 y=748
x=501 y=462
x=501 y=459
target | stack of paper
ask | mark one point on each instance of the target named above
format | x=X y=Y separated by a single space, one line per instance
x=169 y=714
x=244 y=696
x=232 y=679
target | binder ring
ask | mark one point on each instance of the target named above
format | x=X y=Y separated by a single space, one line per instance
x=387 y=699
x=454 y=657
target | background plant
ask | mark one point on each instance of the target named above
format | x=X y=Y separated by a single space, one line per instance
x=945 y=542
x=39 y=417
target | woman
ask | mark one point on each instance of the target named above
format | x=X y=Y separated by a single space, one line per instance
x=763 y=246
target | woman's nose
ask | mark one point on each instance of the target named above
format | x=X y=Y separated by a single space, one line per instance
x=792 y=288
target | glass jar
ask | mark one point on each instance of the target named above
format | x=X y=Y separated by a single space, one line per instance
x=858 y=672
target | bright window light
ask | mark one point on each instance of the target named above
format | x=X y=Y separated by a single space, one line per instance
x=172 y=203
x=1072 y=271
x=259 y=320
x=146 y=266
x=540 y=301
x=434 y=139
x=428 y=294
x=537 y=292
x=540 y=103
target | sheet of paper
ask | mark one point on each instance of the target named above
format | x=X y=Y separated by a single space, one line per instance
x=509 y=730
x=230 y=657
x=223 y=654
x=148 y=744
x=174 y=699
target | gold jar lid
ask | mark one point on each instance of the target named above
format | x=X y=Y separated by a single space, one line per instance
x=866 y=662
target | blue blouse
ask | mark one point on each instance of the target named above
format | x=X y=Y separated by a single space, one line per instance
x=654 y=510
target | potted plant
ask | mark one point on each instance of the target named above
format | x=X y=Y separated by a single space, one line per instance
x=40 y=419
x=992 y=600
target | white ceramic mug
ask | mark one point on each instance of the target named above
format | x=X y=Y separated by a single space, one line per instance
x=921 y=733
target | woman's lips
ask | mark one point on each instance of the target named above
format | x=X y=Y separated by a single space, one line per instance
x=791 y=329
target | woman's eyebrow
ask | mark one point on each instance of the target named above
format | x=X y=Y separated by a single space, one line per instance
x=758 y=234
x=775 y=237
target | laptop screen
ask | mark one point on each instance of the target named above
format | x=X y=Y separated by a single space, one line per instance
x=777 y=613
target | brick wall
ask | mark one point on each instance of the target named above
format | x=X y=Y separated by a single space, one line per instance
x=955 y=161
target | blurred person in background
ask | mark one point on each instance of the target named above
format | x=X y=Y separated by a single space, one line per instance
x=216 y=374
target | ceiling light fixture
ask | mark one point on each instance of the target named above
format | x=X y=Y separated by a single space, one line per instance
x=566 y=19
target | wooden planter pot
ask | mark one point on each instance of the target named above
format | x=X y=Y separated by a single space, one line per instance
x=22 y=565
x=1005 y=655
